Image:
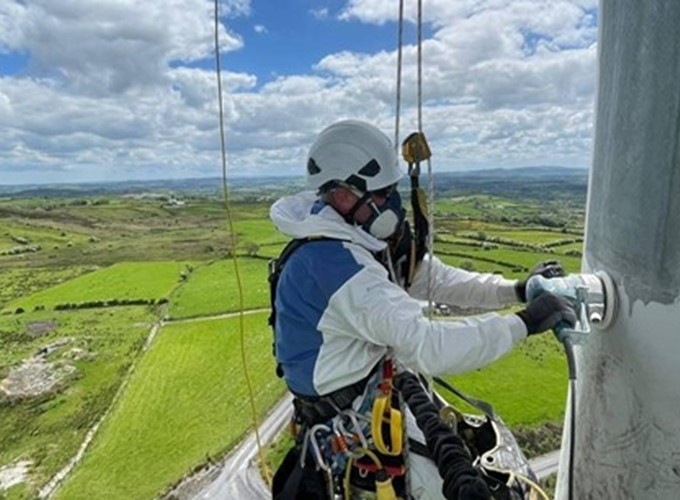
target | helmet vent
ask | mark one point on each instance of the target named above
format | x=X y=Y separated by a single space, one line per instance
x=357 y=182
x=371 y=169
x=312 y=167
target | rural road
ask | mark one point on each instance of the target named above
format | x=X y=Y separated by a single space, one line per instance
x=240 y=477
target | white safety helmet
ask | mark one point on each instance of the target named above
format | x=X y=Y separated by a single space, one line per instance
x=353 y=152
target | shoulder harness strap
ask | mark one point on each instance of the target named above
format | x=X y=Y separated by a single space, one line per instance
x=275 y=270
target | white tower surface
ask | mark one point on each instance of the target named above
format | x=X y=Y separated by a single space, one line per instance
x=628 y=388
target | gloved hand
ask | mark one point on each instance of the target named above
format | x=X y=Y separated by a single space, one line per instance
x=547 y=269
x=546 y=311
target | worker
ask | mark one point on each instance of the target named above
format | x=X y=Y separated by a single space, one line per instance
x=341 y=313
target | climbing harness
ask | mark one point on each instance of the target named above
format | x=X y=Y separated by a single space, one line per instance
x=353 y=453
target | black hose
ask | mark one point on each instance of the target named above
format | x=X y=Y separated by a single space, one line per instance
x=571 y=363
x=447 y=450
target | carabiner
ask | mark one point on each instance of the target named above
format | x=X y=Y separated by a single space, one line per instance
x=356 y=427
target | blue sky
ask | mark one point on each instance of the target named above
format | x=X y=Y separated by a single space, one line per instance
x=292 y=36
x=126 y=90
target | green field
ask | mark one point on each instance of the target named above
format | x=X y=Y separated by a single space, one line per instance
x=507 y=261
x=531 y=236
x=127 y=280
x=13 y=234
x=257 y=231
x=526 y=387
x=22 y=282
x=213 y=289
x=101 y=346
x=186 y=401
x=479 y=266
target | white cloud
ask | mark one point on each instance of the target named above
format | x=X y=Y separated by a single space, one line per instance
x=116 y=46
x=108 y=93
x=260 y=29
x=320 y=13
x=234 y=8
x=505 y=82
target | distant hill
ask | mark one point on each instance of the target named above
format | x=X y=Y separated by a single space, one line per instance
x=538 y=183
x=212 y=185
x=204 y=185
x=521 y=172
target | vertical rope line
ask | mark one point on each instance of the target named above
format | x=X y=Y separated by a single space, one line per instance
x=420 y=66
x=400 y=42
x=232 y=245
x=430 y=197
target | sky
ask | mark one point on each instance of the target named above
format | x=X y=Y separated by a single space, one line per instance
x=110 y=90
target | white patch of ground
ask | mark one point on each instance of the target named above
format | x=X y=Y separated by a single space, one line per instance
x=37 y=376
x=13 y=474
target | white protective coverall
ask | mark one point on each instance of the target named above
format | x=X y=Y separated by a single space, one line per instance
x=338 y=315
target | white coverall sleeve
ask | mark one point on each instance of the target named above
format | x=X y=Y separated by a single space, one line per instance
x=460 y=288
x=372 y=309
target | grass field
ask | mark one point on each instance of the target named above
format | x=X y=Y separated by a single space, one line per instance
x=46 y=237
x=22 y=282
x=48 y=430
x=531 y=236
x=213 y=289
x=127 y=280
x=526 y=387
x=257 y=231
x=507 y=257
x=187 y=401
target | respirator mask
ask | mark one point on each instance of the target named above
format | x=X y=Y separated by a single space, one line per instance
x=384 y=219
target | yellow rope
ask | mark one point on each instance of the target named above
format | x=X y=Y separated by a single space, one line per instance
x=232 y=246
x=348 y=472
x=533 y=485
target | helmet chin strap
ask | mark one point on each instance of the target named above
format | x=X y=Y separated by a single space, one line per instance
x=349 y=217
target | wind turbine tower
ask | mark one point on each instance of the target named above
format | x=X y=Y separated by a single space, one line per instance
x=628 y=389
